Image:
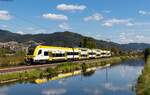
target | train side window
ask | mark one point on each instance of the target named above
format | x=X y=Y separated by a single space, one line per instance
x=58 y=55
x=98 y=55
x=69 y=53
x=45 y=53
x=53 y=55
x=90 y=53
x=72 y=53
x=40 y=51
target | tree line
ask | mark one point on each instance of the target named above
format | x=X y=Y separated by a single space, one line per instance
x=147 y=53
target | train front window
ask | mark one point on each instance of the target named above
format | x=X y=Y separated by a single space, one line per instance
x=40 y=51
x=31 y=50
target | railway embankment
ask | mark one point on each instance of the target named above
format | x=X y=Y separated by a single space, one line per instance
x=65 y=67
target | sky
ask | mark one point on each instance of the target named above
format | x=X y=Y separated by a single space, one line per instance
x=121 y=21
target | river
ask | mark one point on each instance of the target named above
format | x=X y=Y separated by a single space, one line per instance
x=119 y=79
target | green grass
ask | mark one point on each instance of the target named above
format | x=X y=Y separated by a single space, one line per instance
x=68 y=67
x=51 y=72
x=11 y=58
x=11 y=61
x=21 y=75
x=143 y=85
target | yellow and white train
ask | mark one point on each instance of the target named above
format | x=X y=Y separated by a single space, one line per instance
x=44 y=54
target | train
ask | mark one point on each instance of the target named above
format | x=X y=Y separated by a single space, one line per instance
x=45 y=54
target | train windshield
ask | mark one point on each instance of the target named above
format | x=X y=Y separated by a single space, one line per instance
x=31 y=50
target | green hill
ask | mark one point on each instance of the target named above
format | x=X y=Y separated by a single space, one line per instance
x=66 y=38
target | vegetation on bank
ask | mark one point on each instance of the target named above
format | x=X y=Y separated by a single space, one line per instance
x=60 y=68
x=35 y=73
x=143 y=85
x=11 y=61
x=11 y=58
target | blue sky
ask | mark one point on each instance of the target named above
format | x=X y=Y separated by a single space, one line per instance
x=121 y=21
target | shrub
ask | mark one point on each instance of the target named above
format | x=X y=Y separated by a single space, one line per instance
x=67 y=67
x=84 y=67
x=51 y=72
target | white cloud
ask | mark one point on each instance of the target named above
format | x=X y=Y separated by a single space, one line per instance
x=108 y=24
x=4 y=90
x=111 y=87
x=4 y=15
x=96 y=17
x=114 y=21
x=65 y=7
x=129 y=24
x=93 y=91
x=62 y=82
x=142 y=12
x=55 y=16
x=106 y=11
x=54 y=91
x=133 y=38
x=5 y=27
x=40 y=31
x=30 y=28
x=139 y=36
x=125 y=38
x=64 y=26
x=36 y=30
x=20 y=32
x=142 y=23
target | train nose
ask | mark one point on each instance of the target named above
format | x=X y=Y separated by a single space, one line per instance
x=29 y=58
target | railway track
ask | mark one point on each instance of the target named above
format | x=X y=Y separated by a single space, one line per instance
x=23 y=68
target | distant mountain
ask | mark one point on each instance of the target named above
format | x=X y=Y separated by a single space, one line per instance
x=58 y=38
x=134 y=46
x=66 y=38
x=6 y=36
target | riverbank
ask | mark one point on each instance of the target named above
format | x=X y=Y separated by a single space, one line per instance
x=60 y=69
x=143 y=85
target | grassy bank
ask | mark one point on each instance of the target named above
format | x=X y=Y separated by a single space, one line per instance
x=11 y=61
x=21 y=75
x=11 y=58
x=143 y=85
x=61 y=68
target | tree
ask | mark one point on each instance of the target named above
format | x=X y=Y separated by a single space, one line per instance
x=88 y=42
x=147 y=52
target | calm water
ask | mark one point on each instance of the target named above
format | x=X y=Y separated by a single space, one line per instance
x=116 y=80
